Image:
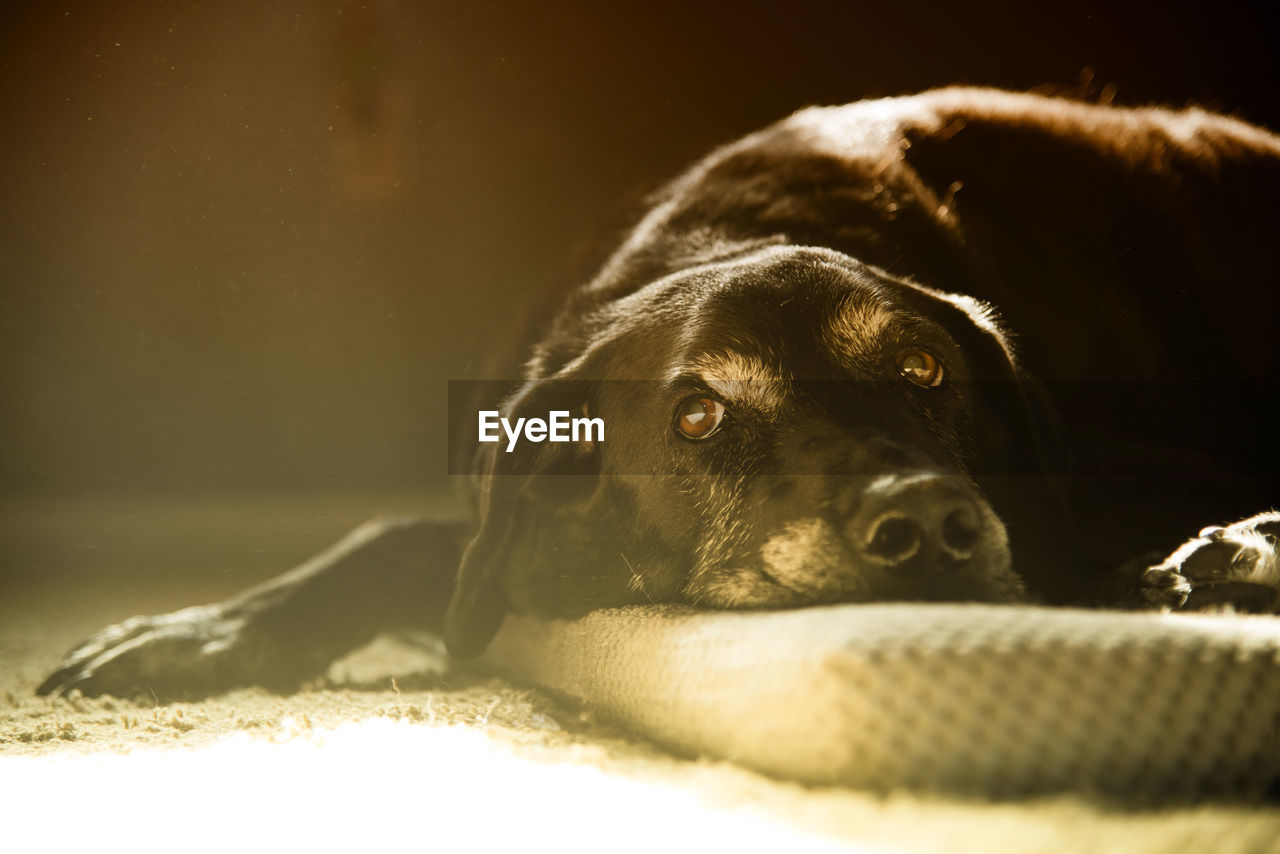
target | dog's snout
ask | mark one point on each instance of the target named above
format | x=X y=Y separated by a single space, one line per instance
x=901 y=517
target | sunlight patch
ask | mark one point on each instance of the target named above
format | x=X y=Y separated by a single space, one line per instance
x=374 y=781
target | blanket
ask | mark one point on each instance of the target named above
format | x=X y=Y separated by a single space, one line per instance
x=981 y=699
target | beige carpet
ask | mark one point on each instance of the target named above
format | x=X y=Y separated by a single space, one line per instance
x=357 y=763
x=353 y=763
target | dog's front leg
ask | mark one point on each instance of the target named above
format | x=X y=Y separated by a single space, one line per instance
x=1237 y=566
x=383 y=575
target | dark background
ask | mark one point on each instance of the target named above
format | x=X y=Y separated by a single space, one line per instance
x=244 y=244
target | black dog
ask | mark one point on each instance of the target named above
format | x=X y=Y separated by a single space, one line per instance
x=968 y=345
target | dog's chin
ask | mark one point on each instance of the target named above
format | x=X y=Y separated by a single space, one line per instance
x=809 y=563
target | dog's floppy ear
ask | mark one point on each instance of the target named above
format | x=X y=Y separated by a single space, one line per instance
x=518 y=487
x=1016 y=430
x=1018 y=452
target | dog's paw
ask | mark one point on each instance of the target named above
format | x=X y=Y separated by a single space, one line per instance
x=1233 y=567
x=190 y=653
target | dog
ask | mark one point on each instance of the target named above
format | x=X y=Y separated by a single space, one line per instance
x=962 y=345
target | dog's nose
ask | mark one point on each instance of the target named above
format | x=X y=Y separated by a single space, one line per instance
x=899 y=517
x=894 y=537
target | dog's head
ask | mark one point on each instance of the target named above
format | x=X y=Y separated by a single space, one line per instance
x=787 y=427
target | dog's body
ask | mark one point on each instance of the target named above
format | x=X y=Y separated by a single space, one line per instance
x=805 y=356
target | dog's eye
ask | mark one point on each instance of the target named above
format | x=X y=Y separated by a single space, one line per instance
x=921 y=367
x=699 y=417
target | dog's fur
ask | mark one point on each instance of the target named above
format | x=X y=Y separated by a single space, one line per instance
x=1097 y=285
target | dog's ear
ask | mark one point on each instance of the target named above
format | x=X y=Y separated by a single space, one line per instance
x=520 y=487
x=1015 y=429
x=1018 y=452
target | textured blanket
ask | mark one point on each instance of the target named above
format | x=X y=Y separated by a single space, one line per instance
x=995 y=700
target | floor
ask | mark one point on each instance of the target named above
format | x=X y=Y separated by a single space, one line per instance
x=391 y=748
